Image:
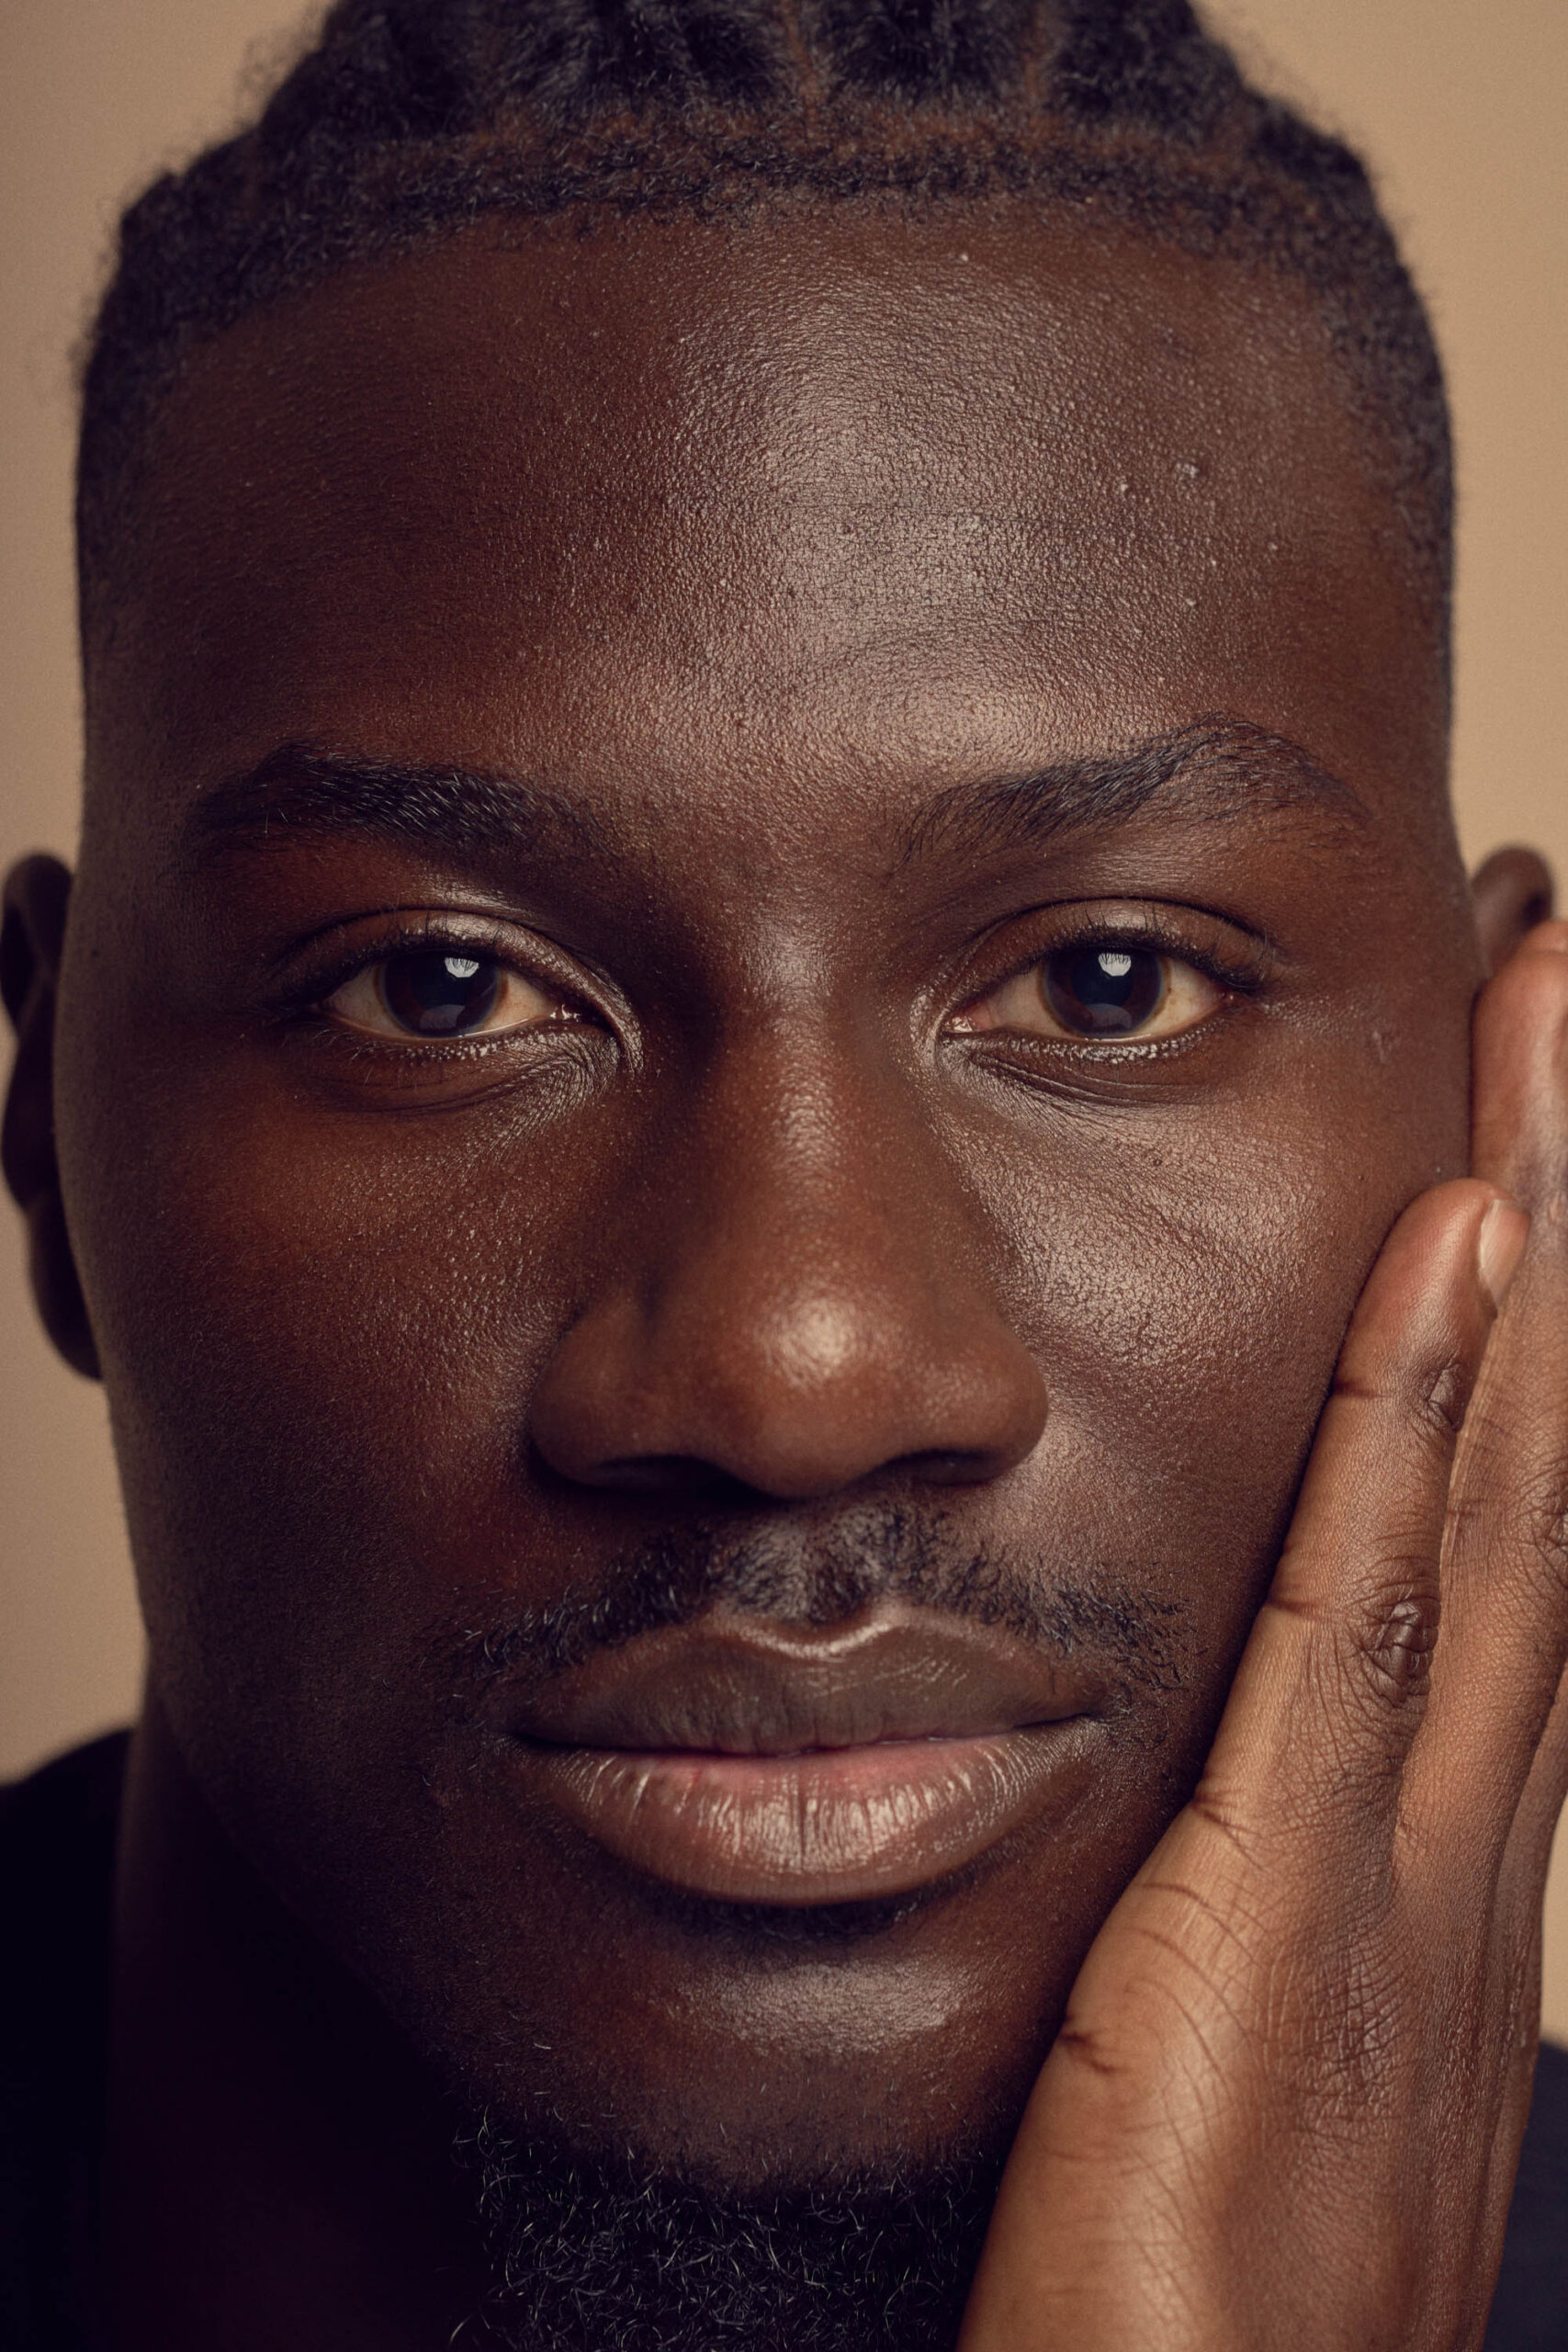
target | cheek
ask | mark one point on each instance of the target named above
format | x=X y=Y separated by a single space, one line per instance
x=319 y=1337
x=1185 y=1280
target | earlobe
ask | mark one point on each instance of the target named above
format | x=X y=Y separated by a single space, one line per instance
x=1512 y=891
x=32 y=937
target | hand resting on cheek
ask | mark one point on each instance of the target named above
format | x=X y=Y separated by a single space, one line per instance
x=1285 y=2108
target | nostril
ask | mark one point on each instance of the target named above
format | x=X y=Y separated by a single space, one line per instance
x=683 y=1474
x=956 y=1466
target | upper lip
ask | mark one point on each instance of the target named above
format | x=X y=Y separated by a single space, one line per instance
x=732 y=1685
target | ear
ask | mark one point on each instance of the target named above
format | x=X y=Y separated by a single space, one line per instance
x=32 y=936
x=1512 y=892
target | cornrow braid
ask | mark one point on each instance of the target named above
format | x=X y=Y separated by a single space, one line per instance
x=410 y=118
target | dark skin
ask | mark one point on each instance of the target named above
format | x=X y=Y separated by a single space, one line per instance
x=795 y=599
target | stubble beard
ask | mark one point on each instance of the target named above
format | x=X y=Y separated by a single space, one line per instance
x=595 y=2255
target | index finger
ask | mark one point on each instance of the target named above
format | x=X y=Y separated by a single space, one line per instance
x=1333 y=1683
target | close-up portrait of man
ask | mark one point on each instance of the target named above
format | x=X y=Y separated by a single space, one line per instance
x=827 y=1241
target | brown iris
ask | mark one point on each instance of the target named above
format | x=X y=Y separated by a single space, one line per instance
x=440 y=995
x=1103 y=991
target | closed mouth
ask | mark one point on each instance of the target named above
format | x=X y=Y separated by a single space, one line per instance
x=756 y=1764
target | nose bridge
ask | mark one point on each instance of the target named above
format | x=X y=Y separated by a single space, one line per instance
x=802 y=1298
x=819 y=1188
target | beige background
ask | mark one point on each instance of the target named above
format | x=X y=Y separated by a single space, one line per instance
x=1460 y=104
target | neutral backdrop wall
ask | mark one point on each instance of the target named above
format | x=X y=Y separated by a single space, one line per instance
x=1460 y=105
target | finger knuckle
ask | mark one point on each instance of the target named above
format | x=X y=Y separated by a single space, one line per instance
x=1439 y=1393
x=1367 y=1664
x=1387 y=1629
x=1375 y=1679
x=1364 y=1714
x=1394 y=1646
x=1428 y=1394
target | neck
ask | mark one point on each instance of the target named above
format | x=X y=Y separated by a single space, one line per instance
x=277 y=2166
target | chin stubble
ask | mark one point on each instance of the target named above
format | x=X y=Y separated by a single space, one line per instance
x=590 y=2255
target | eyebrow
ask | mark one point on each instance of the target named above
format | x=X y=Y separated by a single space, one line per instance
x=304 y=790
x=1215 y=767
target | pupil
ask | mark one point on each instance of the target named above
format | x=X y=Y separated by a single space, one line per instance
x=439 y=996
x=1103 y=991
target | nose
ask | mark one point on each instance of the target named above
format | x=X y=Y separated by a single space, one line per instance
x=797 y=1301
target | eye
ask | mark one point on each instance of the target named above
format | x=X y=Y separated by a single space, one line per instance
x=440 y=992
x=1104 y=993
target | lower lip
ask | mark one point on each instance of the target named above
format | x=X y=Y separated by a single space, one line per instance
x=826 y=1825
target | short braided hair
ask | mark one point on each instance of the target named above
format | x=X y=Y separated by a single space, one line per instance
x=408 y=118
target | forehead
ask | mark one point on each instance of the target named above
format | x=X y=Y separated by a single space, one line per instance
x=967 y=488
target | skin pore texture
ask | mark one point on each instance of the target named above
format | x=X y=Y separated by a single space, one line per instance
x=693 y=1544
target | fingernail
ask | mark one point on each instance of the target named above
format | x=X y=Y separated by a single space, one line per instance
x=1500 y=1245
x=1546 y=939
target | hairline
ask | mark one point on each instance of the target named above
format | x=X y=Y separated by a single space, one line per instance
x=588 y=204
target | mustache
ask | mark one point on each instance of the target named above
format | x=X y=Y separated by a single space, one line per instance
x=818 y=1579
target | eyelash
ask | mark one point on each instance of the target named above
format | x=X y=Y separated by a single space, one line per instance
x=1150 y=938
x=305 y=1005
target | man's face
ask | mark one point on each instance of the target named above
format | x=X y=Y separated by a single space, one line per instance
x=718 y=1228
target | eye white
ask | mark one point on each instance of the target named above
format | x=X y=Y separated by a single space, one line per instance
x=1162 y=996
x=436 y=995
